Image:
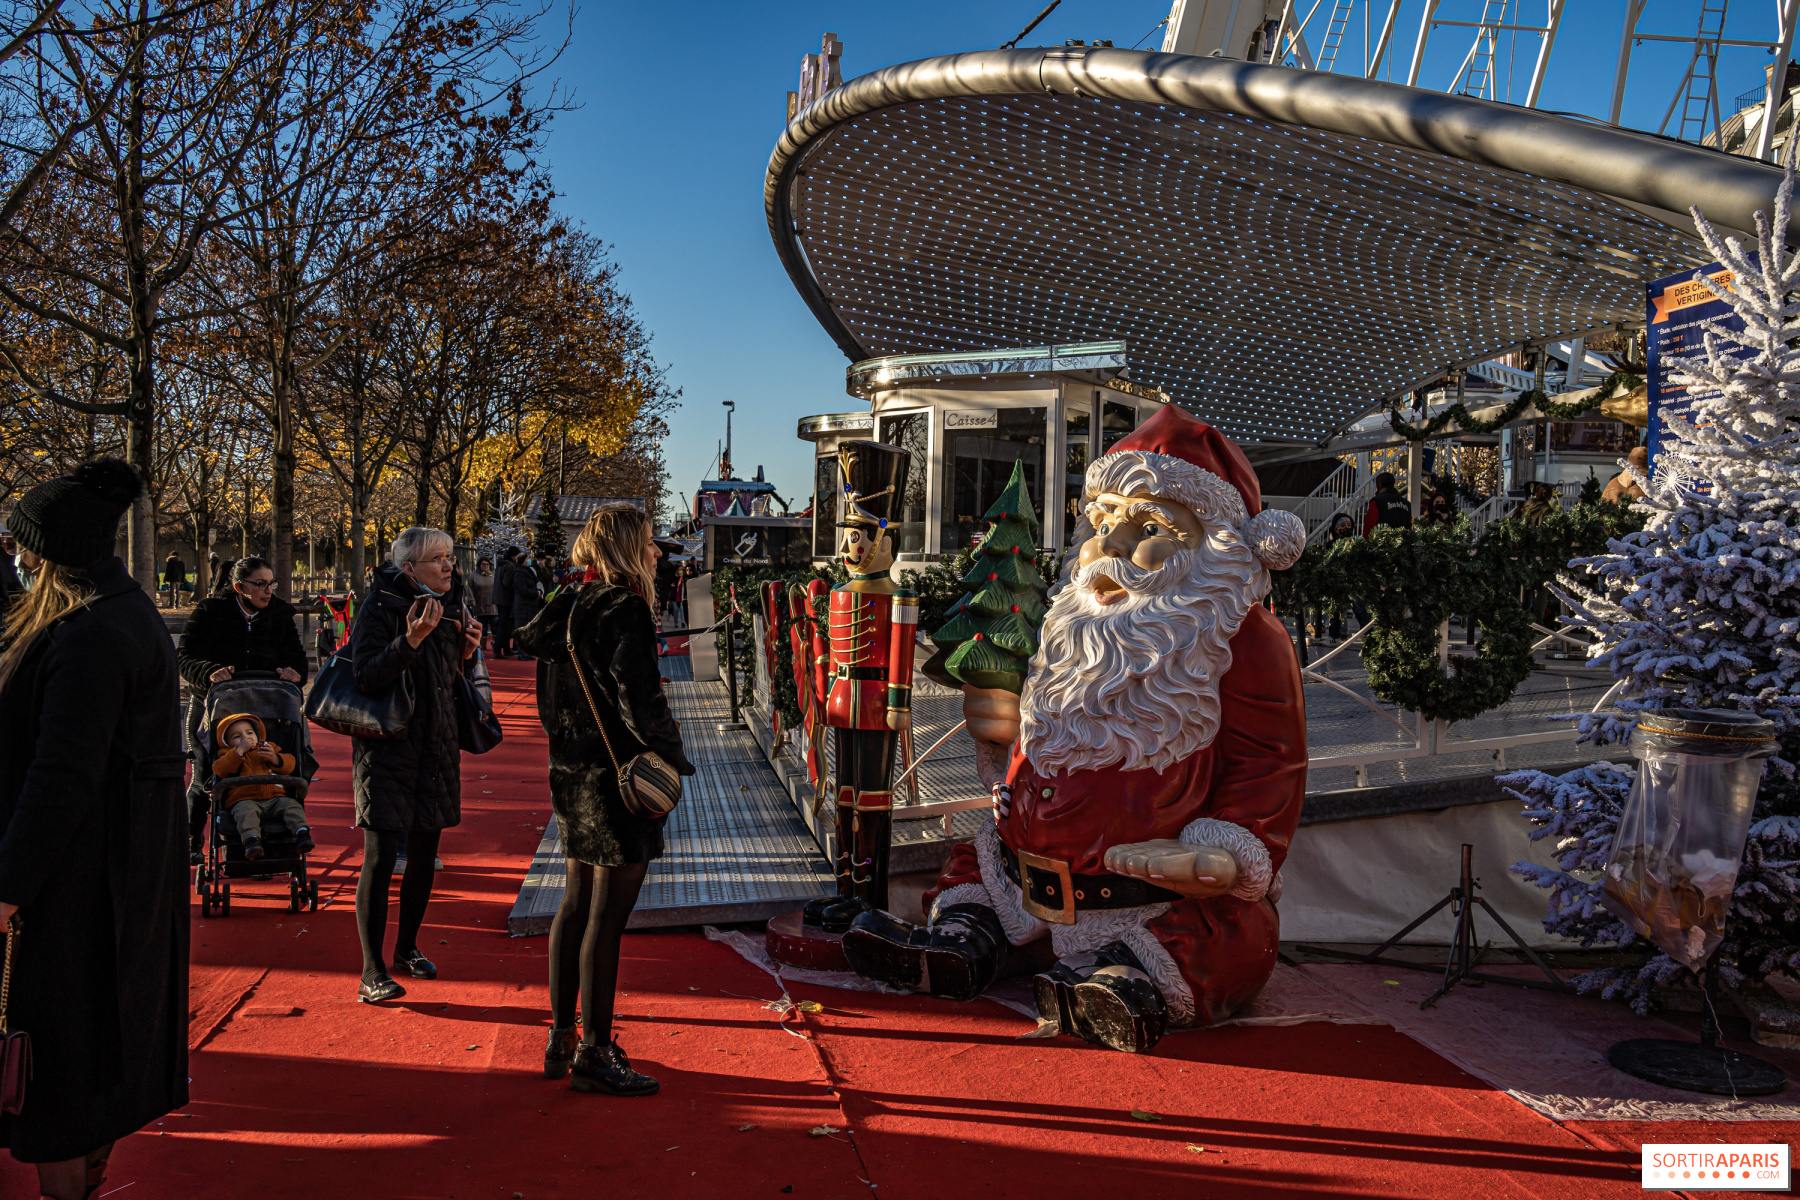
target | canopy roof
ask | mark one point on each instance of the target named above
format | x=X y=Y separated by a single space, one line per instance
x=1282 y=250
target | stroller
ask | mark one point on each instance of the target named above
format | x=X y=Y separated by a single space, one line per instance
x=279 y=705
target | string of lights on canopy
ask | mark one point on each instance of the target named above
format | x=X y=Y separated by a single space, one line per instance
x=1282 y=251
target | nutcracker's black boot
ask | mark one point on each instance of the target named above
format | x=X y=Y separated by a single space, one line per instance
x=1113 y=1003
x=833 y=914
x=955 y=958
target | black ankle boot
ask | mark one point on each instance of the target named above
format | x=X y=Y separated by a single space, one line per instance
x=560 y=1052
x=833 y=914
x=604 y=1069
x=956 y=958
x=1116 y=1006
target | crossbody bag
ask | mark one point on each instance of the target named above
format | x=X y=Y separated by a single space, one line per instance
x=648 y=785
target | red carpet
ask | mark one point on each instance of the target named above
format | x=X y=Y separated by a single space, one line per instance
x=301 y=1092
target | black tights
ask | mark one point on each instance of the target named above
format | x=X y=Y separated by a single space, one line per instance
x=380 y=848
x=584 y=945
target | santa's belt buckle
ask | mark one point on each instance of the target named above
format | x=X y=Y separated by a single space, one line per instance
x=1057 y=887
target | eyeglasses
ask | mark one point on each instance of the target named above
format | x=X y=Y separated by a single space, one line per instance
x=442 y=560
x=261 y=585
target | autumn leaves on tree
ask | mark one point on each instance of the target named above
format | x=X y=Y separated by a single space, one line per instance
x=992 y=631
x=299 y=263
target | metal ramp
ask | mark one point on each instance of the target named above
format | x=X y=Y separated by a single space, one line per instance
x=735 y=848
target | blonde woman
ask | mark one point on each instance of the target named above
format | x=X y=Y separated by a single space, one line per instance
x=91 y=833
x=608 y=847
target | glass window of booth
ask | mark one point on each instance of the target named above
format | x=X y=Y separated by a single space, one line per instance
x=1078 y=429
x=977 y=464
x=912 y=433
x=827 y=483
x=1117 y=418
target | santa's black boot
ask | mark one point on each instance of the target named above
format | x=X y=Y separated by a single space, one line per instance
x=1113 y=1004
x=955 y=958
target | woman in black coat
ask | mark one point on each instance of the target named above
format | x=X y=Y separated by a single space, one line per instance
x=90 y=837
x=609 y=848
x=412 y=623
x=246 y=628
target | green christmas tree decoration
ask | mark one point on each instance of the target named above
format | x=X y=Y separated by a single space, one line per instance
x=549 y=539
x=992 y=630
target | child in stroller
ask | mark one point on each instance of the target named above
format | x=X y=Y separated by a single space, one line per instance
x=254 y=735
x=248 y=751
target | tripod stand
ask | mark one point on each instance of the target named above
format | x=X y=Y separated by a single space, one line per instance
x=1460 y=966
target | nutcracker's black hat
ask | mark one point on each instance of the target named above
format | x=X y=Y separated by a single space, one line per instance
x=874 y=482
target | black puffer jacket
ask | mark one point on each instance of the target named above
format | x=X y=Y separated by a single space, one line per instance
x=616 y=639
x=414 y=782
x=219 y=635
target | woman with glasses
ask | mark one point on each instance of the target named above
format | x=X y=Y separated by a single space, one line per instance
x=414 y=622
x=248 y=628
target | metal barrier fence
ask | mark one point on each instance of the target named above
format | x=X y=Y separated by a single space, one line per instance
x=942 y=782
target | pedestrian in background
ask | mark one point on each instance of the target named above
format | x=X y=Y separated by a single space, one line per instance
x=530 y=583
x=481 y=591
x=1343 y=528
x=1387 y=506
x=504 y=575
x=174 y=577
x=90 y=837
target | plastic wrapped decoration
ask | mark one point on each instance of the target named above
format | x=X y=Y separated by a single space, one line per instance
x=1675 y=858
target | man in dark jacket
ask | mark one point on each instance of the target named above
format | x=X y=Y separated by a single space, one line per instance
x=249 y=628
x=530 y=582
x=1387 y=506
x=504 y=575
x=90 y=837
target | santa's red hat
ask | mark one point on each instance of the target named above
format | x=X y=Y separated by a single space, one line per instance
x=1183 y=458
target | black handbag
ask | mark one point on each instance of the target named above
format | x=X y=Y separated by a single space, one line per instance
x=15 y=1044
x=337 y=704
x=477 y=728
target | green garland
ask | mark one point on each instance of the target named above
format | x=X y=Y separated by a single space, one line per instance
x=1468 y=423
x=1412 y=580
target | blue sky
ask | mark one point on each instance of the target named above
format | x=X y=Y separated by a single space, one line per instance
x=681 y=105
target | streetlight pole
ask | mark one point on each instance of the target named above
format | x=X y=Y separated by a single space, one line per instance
x=725 y=459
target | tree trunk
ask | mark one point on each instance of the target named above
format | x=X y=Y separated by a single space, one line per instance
x=140 y=435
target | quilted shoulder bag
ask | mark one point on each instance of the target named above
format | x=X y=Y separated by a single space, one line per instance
x=15 y=1044
x=648 y=785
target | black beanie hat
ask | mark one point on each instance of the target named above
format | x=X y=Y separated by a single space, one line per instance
x=72 y=520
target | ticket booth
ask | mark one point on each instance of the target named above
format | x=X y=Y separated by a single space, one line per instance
x=965 y=418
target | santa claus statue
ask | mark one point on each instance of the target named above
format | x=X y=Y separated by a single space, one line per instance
x=1159 y=770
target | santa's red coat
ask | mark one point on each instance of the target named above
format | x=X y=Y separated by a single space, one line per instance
x=1252 y=774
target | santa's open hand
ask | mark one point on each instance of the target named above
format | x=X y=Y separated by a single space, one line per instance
x=1196 y=871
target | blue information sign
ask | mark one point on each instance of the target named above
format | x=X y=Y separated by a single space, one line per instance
x=1677 y=313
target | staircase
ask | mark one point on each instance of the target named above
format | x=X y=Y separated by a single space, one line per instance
x=1334 y=33
x=1700 y=99
x=1478 y=79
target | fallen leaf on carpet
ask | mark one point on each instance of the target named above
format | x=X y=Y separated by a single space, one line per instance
x=672 y=1148
x=1391 y=982
x=1144 y=1114
x=746 y=1128
x=823 y=1130
x=1198 y=1149
x=474 y=1047
x=810 y=1006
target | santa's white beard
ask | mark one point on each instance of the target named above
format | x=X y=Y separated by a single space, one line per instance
x=1136 y=682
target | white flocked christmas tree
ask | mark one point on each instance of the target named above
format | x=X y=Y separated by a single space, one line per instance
x=1701 y=609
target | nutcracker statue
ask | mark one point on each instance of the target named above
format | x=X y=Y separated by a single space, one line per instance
x=863 y=679
x=1158 y=772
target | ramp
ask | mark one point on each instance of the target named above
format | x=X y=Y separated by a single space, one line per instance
x=735 y=848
